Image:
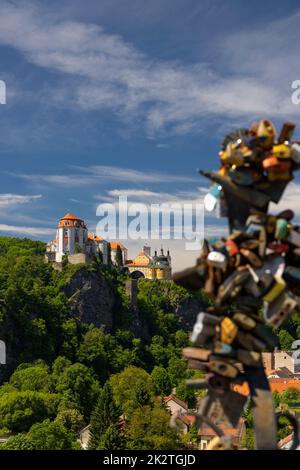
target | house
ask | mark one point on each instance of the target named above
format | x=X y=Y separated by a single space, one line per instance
x=281 y=360
x=144 y=265
x=281 y=373
x=174 y=404
x=206 y=434
x=84 y=437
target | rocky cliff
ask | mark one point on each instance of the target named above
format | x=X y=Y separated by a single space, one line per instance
x=91 y=298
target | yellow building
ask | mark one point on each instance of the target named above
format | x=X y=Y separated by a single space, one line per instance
x=150 y=267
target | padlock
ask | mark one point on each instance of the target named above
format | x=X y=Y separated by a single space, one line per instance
x=295 y=154
x=253 y=259
x=280 y=174
x=196 y=354
x=209 y=285
x=244 y=321
x=294 y=237
x=266 y=133
x=221 y=443
x=248 y=341
x=281 y=229
x=286 y=132
x=292 y=274
x=282 y=151
x=274 y=165
x=287 y=214
x=211 y=199
x=278 y=311
x=217 y=260
x=223 y=349
x=204 y=328
x=202 y=334
x=232 y=286
x=251 y=244
x=228 y=331
x=261 y=282
x=222 y=367
x=218 y=384
x=249 y=358
x=197 y=365
x=271 y=224
x=275 y=291
x=279 y=248
x=231 y=247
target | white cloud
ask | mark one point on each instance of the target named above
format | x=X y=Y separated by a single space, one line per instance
x=30 y=231
x=87 y=176
x=112 y=74
x=15 y=199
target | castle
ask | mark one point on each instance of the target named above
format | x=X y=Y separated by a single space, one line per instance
x=74 y=242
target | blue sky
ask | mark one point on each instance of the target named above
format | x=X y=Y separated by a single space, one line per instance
x=109 y=96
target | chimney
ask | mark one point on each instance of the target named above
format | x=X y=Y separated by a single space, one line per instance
x=147 y=250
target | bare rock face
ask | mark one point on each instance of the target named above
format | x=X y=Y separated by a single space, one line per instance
x=91 y=298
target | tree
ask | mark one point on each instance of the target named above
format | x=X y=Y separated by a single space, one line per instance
x=131 y=388
x=78 y=387
x=119 y=256
x=34 y=377
x=149 y=428
x=186 y=394
x=19 y=410
x=105 y=414
x=108 y=253
x=161 y=380
x=176 y=370
x=71 y=419
x=285 y=339
x=292 y=394
x=112 y=439
x=51 y=435
x=18 y=442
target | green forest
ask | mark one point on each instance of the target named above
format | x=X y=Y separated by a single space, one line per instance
x=63 y=374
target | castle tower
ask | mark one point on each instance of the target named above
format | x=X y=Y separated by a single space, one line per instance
x=72 y=235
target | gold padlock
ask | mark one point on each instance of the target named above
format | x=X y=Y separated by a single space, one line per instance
x=282 y=151
x=276 y=290
x=229 y=330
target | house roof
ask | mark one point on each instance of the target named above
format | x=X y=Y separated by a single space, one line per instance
x=282 y=373
x=280 y=385
x=93 y=236
x=70 y=216
x=206 y=430
x=114 y=246
x=179 y=402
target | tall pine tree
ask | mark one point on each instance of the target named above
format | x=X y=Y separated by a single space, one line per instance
x=119 y=256
x=105 y=414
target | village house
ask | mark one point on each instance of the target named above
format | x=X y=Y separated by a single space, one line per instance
x=284 y=360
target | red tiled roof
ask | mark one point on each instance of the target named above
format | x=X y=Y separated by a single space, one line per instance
x=177 y=400
x=114 y=245
x=69 y=216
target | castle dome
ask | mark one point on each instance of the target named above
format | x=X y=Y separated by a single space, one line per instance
x=70 y=220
